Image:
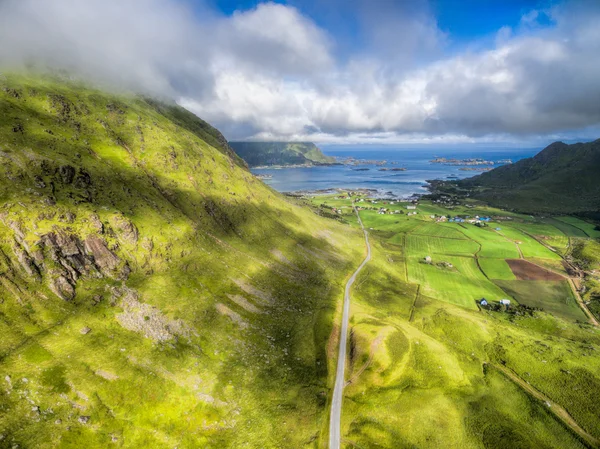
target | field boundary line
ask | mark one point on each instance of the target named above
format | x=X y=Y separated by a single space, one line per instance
x=556 y=409
x=579 y=300
x=412 y=308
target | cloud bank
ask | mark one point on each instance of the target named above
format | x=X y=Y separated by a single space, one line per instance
x=272 y=73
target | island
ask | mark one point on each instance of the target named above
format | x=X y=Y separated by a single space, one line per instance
x=281 y=154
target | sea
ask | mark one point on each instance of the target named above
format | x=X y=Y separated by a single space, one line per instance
x=400 y=184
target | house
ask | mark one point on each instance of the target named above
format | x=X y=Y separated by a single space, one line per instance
x=428 y=259
x=505 y=302
x=411 y=207
x=483 y=302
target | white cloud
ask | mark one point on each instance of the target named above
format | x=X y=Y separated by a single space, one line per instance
x=271 y=72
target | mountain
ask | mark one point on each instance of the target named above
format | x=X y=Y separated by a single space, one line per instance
x=561 y=178
x=258 y=154
x=154 y=293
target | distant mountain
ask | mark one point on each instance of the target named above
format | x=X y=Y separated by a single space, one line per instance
x=280 y=153
x=561 y=178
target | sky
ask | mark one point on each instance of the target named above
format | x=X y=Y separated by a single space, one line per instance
x=401 y=72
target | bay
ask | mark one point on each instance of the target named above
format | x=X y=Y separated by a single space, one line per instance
x=398 y=183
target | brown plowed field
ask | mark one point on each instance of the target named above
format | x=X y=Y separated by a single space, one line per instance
x=527 y=271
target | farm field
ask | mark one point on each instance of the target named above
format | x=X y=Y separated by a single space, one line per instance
x=588 y=228
x=496 y=269
x=461 y=285
x=567 y=228
x=421 y=356
x=546 y=233
x=529 y=246
x=554 y=297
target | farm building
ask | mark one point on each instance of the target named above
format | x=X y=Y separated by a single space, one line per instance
x=427 y=259
x=483 y=302
x=411 y=207
x=505 y=302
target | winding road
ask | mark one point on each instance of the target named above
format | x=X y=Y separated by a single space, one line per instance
x=338 y=390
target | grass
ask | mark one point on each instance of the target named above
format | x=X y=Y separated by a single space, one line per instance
x=530 y=248
x=423 y=382
x=419 y=246
x=567 y=228
x=554 y=297
x=462 y=285
x=208 y=234
x=257 y=281
x=590 y=229
x=496 y=269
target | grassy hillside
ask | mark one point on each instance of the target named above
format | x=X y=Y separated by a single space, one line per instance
x=154 y=293
x=281 y=153
x=429 y=368
x=560 y=179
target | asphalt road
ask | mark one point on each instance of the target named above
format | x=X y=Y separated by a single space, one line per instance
x=338 y=390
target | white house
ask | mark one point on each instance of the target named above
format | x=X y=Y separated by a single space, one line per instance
x=411 y=207
x=505 y=302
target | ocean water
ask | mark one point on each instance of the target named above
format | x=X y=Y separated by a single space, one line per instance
x=400 y=184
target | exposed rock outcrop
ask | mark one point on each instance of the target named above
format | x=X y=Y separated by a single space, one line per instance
x=126 y=230
x=62 y=258
x=145 y=318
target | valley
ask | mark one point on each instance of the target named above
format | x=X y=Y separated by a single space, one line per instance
x=430 y=366
x=155 y=293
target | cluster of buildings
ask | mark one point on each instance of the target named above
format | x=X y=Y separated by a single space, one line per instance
x=477 y=221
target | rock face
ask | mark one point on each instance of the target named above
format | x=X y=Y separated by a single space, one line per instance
x=62 y=258
x=104 y=259
x=126 y=230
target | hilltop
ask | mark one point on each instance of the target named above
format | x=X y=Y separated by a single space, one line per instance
x=154 y=293
x=561 y=178
x=258 y=154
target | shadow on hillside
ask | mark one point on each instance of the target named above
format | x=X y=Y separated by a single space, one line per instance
x=284 y=348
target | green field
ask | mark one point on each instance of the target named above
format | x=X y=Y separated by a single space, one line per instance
x=567 y=228
x=589 y=229
x=496 y=269
x=529 y=246
x=420 y=246
x=554 y=297
x=462 y=285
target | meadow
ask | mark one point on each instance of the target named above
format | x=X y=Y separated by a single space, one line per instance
x=423 y=356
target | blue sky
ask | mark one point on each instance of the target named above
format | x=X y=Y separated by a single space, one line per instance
x=337 y=71
x=465 y=21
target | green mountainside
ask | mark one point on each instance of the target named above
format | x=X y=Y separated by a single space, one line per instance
x=154 y=293
x=561 y=178
x=280 y=153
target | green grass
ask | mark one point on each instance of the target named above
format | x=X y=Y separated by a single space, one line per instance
x=257 y=281
x=567 y=228
x=589 y=229
x=462 y=285
x=493 y=244
x=418 y=246
x=529 y=246
x=554 y=297
x=496 y=269
x=254 y=279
